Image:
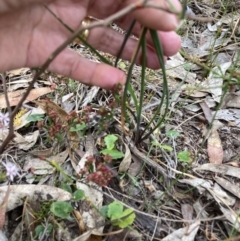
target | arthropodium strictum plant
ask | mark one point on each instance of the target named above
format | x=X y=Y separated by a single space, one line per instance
x=138 y=104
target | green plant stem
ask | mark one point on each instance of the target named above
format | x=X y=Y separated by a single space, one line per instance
x=128 y=87
x=165 y=94
x=142 y=90
x=126 y=37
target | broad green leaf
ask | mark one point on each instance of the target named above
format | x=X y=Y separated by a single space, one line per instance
x=78 y=127
x=61 y=209
x=36 y=117
x=115 y=210
x=110 y=141
x=38 y=230
x=127 y=219
x=187 y=66
x=122 y=65
x=184 y=156
x=66 y=187
x=115 y=154
x=104 y=211
x=79 y=195
x=172 y=134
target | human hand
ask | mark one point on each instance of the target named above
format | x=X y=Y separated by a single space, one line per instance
x=29 y=34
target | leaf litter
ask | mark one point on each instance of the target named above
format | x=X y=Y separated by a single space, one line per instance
x=171 y=202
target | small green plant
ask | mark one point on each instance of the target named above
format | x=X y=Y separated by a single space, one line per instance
x=40 y=229
x=110 y=150
x=72 y=85
x=165 y=147
x=79 y=128
x=36 y=117
x=172 y=134
x=61 y=209
x=184 y=156
x=117 y=215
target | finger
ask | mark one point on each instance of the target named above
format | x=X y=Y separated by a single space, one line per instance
x=108 y=40
x=158 y=19
x=8 y=6
x=149 y=17
x=69 y=63
x=170 y=41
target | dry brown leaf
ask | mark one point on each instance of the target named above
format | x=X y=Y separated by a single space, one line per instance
x=215 y=150
x=33 y=192
x=17 y=72
x=39 y=166
x=135 y=167
x=125 y=163
x=149 y=185
x=26 y=142
x=195 y=93
x=15 y=97
x=184 y=234
x=187 y=211
x=207 y=112
x=42 y=153
x=232 y=217
x=94 y=237
x=229 y=186
x=221 y=196
x=48 y=105
x=90 y=215
x=222 y=169
x=30 y=216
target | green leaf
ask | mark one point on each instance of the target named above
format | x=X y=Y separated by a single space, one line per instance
x=78 y=127
x=38 y=230
x=104 y=211
x=134 y=180
x=187 y=66
x=61 y=209
x=66 y=187
x=184 y=156
x=165 y=147
x=122 y=65
x=172 y=134
x=115 y=154
x=79 y=195
x=110 y=141
x=118 y=216
x=36 y=117
x=115 y=210
x=127 y=219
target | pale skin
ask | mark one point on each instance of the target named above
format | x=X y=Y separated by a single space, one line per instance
x=29 y=34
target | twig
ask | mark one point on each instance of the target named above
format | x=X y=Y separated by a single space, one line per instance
x=5 y=92
x=196 y=4
x=147 y=160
